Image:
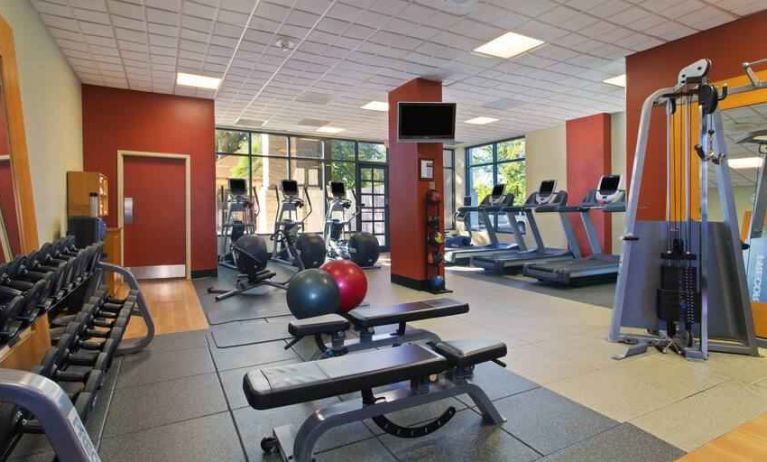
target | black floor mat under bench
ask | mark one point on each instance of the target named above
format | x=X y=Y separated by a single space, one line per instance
x=250 y=332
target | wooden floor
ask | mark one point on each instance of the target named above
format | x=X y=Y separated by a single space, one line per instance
x=746 y=443
x=174 y=306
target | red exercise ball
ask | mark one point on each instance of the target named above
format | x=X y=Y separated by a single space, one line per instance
x=351 y=281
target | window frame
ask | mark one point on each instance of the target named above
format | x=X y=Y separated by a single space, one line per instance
x=495 y=163
x=325 y=159
x=451 y=170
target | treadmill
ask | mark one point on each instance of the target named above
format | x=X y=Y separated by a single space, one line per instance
x=488 y=211
x=545 y=200
x=599 y=267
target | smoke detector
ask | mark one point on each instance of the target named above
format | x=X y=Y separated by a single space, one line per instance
x=285 y=43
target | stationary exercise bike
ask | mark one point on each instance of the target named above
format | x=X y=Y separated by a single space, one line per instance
x=361 y=247
x=291 y=245
x=251 y=256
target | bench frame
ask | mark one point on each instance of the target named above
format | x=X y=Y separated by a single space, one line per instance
x=299 y=445
x=339 y=344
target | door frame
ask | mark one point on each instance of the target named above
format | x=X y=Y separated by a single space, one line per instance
x=121 y=155
x=358 y=174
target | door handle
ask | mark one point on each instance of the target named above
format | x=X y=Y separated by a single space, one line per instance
x=128 y=211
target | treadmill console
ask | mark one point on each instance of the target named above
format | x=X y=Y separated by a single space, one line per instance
x=545 y=192
x=608 y=190
x=496 y=197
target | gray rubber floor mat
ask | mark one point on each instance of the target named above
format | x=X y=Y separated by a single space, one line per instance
x=258 y=303
x=250 y=332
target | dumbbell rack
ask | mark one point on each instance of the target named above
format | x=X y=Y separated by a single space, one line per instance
x=435 y=241
x=66 y=285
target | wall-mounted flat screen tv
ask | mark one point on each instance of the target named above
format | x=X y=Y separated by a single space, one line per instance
x=425 y=122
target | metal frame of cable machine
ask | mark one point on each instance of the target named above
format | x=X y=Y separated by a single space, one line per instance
x=711 y=303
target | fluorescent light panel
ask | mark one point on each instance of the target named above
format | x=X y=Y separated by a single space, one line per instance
x=745 y=162
x=377 y=106
x=481 y=121
x=618 y=80
x=331 y=130
x=508 y=45
x=199 y=81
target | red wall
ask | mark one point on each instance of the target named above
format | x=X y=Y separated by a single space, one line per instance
x=115 y=119
x=588 y=158
x=728 y=46
x=407 y=193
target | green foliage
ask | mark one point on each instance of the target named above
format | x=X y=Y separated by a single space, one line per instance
x=231 y=142
x=514 y=175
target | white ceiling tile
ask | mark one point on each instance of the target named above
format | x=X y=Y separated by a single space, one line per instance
x=241 y=6
x=60 y=22
x=162 y=17
x=271 y=11
x=172 y=5
x=128 y=10
x=196 y=24
x=126 y=23
x=91 y=16
x=202 y=10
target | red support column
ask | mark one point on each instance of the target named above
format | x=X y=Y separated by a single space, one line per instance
x=589 y=156
x=407 y=193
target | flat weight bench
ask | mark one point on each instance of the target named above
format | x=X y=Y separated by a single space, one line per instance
x=366 y=319
x=279 y=386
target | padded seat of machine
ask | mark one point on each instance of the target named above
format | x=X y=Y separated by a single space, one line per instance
x=297 y=383
x=325 y=324
x=406 y=312
x=465 y=353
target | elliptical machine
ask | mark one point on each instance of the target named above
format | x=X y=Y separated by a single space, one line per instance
x=239 y=212
x=291 y=245
x=361 y=247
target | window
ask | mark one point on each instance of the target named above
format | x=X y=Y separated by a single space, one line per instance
x=490 y=164
x=265 y=159
x=494 y=163
x=448 y=187
x=372 y=152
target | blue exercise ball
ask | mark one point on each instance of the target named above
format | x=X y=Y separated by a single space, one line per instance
x=313 y=292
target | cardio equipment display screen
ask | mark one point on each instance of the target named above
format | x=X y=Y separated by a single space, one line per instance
x=609 y=184
x=547 y=188
x=337 y=189
x=290 y=187
x=498 y=190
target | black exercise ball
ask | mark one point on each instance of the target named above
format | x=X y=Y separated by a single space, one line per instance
x=364 y=249
x=313 y=292
x=251 y=253
x=311 y=250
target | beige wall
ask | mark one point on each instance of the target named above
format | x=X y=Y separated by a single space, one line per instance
x=618 y=140
x=546 y=154
x=50 y=94
x=744 y=198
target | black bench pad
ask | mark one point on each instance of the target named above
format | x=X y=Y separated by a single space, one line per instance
x=406 y=312
x=465 y=353
x=298 y=383
x=325 y=324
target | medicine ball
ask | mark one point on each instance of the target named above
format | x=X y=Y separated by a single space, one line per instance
x=364 y=249
x=351 y=281
x=436 y=283
x=311 y=250
x=251 y=252
x=311 y=293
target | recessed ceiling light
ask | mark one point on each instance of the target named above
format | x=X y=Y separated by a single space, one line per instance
x=618 y=80
x=377 y=106
x=331 y=130
x=481 y=121
x=745 y=162
x=508 y=45
x=199 y=81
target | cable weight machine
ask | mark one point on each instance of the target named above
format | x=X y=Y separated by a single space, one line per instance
x=682 y=279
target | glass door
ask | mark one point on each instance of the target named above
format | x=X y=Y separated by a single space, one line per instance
x=374 y=201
